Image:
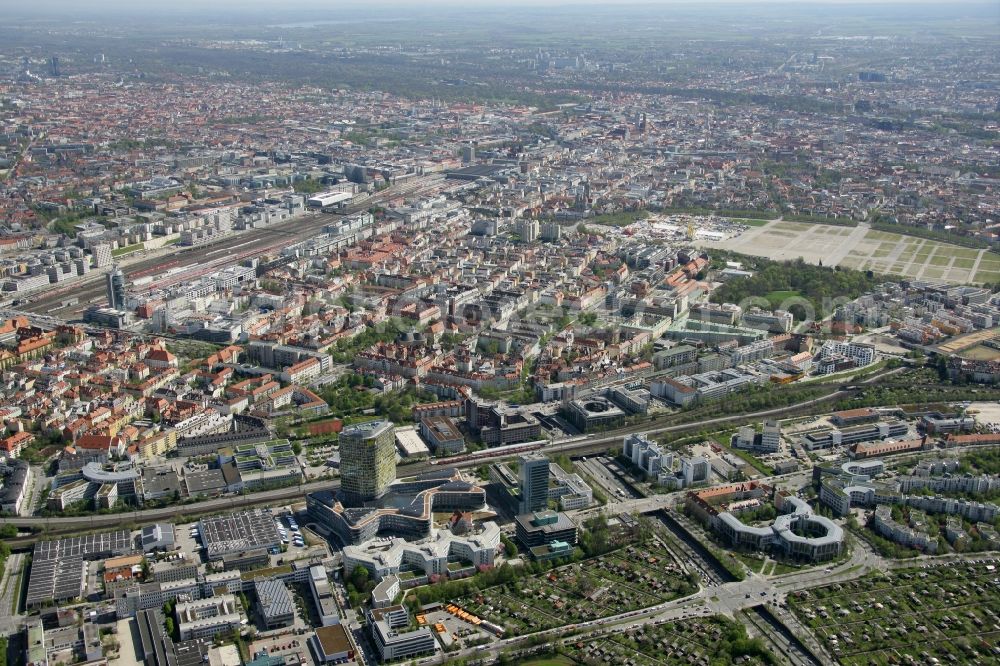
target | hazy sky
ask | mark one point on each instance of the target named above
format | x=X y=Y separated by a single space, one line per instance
x=335 y=5
x=253 y=10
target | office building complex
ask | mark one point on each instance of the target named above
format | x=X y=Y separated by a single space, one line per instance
x=769 y=441
x=406 y=509
x=797 y=532
x=391 y=637
x=208 y=617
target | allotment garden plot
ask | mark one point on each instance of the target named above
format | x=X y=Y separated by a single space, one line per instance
x=633 y=577
x=715 y=639
x=913 y=615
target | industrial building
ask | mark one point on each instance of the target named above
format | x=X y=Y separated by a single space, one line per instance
x=58 y=573
x=238 y=533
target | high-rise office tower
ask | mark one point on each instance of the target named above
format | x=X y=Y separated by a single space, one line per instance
x=54 y=65
x=528 y=229
x=534 y=476
x=114 y=285
x=468 y=152
x=367 y=461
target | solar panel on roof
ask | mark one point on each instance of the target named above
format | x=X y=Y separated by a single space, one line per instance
x=57 y=569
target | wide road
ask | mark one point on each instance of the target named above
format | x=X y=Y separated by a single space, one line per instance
x=73 y=524
x=227 y=250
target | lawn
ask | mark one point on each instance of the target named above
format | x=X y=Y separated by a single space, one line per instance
x=753 y=223
x=128 y=249
x=879 y=251
x=618 y=219
x=753 y=562
x=989 y=263
x=751 y=459
x=964 y=253
x=794 y=227
x=559 y=660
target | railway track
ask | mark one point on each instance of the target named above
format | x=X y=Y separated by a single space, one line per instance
x=779 y=636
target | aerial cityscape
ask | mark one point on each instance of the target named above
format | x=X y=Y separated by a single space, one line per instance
x=554 y=334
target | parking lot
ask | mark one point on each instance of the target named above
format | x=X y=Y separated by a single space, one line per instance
x=287 y=644
x=608 y=474
x=462 y=632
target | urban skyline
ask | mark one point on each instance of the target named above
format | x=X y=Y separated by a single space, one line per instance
x=541 y=333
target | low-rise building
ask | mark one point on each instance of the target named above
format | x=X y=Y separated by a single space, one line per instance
x=206 y=618
x=546 y=528
x=391 y=638
x=274 y=603
x=332 y=644
x=443 y=436
x=322 y=593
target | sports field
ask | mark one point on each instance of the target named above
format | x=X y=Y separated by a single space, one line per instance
x=865 y=249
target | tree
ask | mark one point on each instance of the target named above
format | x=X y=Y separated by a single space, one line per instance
x=509 y=546
x=171 y=628
x=359 y=577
